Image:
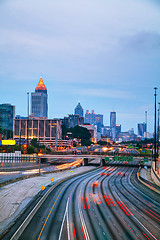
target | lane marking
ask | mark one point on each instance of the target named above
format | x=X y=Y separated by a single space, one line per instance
x=50 y=212
x=82 y=219
x=145 y=228
x=63 y=220
x=68 y=222
x=83 y=232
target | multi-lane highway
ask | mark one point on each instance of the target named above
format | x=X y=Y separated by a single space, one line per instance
x=106 y=203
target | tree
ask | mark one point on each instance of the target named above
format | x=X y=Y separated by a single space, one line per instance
x=77 y=132
x=34 y=142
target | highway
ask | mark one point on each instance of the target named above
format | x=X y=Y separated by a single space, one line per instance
x=106 y=203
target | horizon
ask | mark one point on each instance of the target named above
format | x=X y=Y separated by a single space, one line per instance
x=104 y=54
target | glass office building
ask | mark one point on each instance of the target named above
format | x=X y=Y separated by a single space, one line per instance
x=39 y=100
x=7 y=114
x=79 y=110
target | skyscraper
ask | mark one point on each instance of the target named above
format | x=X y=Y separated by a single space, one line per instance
x=79 y=110
x=141 y=129
x=7 y=114
x=113 y=124
x=39 y=104
x=90 y=117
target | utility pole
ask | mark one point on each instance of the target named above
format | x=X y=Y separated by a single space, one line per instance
x=155 y=138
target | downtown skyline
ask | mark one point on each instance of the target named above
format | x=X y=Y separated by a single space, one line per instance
x=105 y=55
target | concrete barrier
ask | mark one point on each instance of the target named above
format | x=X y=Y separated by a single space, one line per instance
x=154 y=175
x=85 y=162
x=103 y=163
x=144 y=182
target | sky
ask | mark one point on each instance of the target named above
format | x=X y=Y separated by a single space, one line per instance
x=105 y=54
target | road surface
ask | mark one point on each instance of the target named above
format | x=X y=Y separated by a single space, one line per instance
x=102 y=204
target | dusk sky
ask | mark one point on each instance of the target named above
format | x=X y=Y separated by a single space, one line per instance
x=103 y=53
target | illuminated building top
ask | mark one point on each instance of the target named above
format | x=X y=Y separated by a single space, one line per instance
x=41 y=86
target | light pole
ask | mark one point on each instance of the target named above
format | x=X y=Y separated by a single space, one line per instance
x=27 y=118
x=155 y=139
x=146 y=123
x=158 y=130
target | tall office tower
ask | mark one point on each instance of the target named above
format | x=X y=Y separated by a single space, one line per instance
x=141 y=129
x=79 y=110
x=90 y=117
x=118 y=129
x=99 y=118
x=87 y=117
x=39 y=105
x=99 y=122
x=7 y=114
x=113 y=124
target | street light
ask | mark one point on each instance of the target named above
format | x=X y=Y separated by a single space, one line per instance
x=155 y=140
x=158 y=130
x=27 y=118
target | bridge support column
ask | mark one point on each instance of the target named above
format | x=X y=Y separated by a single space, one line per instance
x=102 y=162
x=85 y=162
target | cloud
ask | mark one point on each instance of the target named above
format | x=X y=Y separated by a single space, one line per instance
x=142 y=42
x=106 y=93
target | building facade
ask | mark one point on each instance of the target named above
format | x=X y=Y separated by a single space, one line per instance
x=90 y=117
x=93 y=131
x=113 y=124
x=45 y=130
x=39 y=100
x=79 y=110
x=7 y=114
x=72 y=120
x=141 y=129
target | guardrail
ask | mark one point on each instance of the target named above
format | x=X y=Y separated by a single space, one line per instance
x=18 y=158
x=154 y=176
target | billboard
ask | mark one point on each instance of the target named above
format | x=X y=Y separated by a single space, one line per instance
x=8 y=142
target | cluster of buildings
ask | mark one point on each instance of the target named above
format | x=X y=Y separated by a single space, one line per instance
x=49 y=131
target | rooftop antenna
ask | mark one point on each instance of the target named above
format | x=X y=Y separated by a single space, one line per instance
x=146 y=122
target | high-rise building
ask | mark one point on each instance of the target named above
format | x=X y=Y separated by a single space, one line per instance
x=113 y=124
x=118 y=129
x=99 y=119
x=112 y=119
x=7 y=114
x=79 y=110
x=90 y=117
x=141 y=129
x=39 y=104
x=72 y=120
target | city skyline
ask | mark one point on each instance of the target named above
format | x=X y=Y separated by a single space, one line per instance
x=104 y=54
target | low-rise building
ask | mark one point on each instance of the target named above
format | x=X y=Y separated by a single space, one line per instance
x=93 y=131
x=45 y=130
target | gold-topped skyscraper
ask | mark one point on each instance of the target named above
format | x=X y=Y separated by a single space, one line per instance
x=39 y=100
